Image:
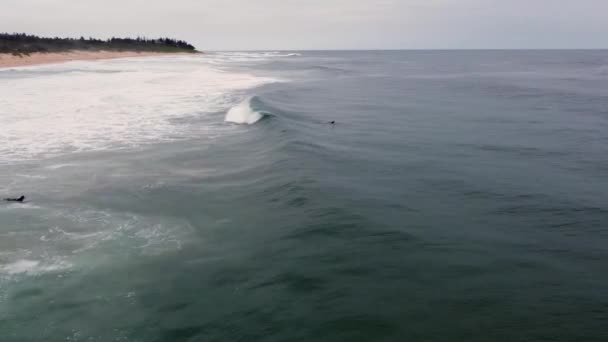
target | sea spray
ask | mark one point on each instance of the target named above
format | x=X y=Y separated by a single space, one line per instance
x=243 y=113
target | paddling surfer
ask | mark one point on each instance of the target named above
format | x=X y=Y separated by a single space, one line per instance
x=20 y=199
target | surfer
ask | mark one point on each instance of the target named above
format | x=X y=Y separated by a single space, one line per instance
x=332 y=122
x=20 y=199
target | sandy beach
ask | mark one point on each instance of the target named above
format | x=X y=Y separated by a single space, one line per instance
x=9 y=60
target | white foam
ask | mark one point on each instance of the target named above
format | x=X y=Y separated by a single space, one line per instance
x=239 y=57
x=82 y=238
x=33 y=267
x=60 y=166
x=243 y=114
x=19 y=206
x=83 y=106
x=31 y=176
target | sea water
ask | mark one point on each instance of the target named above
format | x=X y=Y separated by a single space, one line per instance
x=460 y=196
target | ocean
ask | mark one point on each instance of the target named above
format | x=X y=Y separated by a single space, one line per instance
x=459 y=196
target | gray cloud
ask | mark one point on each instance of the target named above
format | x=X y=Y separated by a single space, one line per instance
x=323 y=24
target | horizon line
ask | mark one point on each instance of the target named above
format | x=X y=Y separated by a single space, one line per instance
x=409 y=49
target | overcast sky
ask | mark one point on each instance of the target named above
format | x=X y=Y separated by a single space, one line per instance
x=323 y=24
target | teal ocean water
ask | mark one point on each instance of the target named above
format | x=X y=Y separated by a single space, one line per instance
x=460 y=196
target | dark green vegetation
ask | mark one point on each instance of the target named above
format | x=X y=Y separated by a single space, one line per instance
x=21 y=43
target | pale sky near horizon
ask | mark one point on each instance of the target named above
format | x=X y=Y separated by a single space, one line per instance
x=323 y=24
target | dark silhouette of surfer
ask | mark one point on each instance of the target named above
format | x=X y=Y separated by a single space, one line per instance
x=332 y=122
x=20 y=199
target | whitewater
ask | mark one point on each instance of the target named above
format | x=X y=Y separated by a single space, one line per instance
x=85 y=106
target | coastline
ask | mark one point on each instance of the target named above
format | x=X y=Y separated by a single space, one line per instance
x=42 y=58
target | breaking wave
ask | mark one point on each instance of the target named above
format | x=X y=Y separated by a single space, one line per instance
x=246 y=113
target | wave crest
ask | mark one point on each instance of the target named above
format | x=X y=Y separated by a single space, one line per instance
x=244 y=113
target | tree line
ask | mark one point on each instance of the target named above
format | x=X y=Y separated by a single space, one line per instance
x=21 y=43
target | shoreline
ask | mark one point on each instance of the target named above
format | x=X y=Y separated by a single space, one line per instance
x=43 y=58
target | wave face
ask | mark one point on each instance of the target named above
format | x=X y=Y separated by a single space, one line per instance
x=243 y=113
